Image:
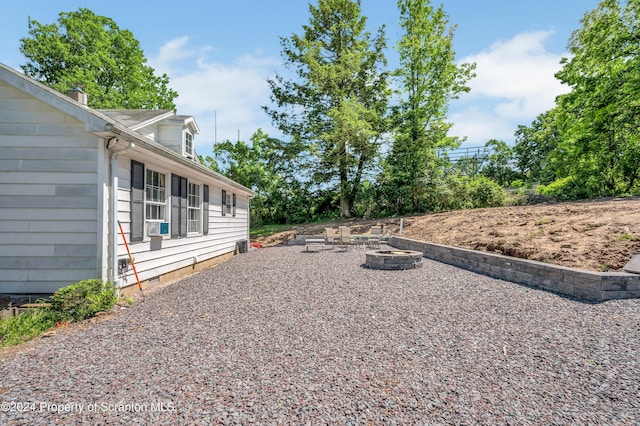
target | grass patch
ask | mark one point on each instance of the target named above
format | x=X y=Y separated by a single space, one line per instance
x=72 y=303
x=266 y=230
x=26 y=326
x=544 y=221
x=128 y=300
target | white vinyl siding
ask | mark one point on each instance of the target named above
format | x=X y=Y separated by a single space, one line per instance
x=49 y=196
x=56 y=224
x=223 y=232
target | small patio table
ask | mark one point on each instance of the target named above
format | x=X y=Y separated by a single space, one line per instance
x=365 y=240
x=310 y=242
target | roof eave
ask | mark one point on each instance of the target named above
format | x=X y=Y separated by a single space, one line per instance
x=102 y=125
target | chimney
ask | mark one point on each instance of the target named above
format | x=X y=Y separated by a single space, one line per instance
x=78 y=95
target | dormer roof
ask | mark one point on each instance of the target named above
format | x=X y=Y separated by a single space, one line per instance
x=136 y=119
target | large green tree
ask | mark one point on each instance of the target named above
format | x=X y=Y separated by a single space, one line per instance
x=333 y=104
x=499 y=164
x=281 y=197
x=599 y=119
x=535 y=150
x=428 y=78
x=93 y=52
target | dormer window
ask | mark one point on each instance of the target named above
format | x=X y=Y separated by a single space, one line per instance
x=188 y=145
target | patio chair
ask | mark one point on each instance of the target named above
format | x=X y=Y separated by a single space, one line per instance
x=331 y=237
x=345 y=237
x=374 y=239
x=385 y=236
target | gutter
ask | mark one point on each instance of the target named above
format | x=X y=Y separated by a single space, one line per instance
x=114 y=206
x=251 y=197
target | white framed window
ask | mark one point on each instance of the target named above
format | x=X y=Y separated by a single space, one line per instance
x=188 y=144
x=228 y=204
x=194 y=207
x=155 y=196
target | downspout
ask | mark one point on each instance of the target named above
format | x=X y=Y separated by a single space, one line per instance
x=114 y=213
x=249 y=222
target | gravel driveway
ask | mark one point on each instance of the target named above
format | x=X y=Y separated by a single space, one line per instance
x=279 y=336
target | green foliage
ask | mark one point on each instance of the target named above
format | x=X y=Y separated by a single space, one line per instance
x=25 y=326
x=72 y=303
x=589 y=144
x=517 y=184
x=260 y=166
x=83 y=300
x=453 y=192
x=334 y=108
x=92 y=51
x=565 y=189
x=499 y=164
x=535 y=147
x=599 y=119
x=484 y=192
x=429 y=78
x=254 y=165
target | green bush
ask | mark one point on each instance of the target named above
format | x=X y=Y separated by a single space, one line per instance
x=83 y=300
x=484 y=192
x=566 y=189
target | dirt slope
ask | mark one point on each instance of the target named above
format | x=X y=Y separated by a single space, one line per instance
x=595 y=235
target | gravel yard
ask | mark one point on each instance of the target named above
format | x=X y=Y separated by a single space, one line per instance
x=283 y=336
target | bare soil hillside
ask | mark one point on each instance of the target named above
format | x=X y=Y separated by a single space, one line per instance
x=594 y=235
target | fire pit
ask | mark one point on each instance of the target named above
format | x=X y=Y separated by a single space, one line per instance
x=393 y=259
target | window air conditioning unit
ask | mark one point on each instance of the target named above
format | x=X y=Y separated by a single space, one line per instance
x=158 y=229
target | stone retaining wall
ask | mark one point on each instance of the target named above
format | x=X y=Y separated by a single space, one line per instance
x=593 y=286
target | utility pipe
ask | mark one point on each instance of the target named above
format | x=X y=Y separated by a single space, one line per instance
x=114 y=213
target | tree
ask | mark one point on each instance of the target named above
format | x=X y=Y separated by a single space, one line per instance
x=429 y=79
x=281 y=197
x=599 y=119
x=499 y=163
x=334 y=106
x=536 y=148
x=251 y=165
x=93 y=52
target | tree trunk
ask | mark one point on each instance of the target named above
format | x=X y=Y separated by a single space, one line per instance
x=345 y=206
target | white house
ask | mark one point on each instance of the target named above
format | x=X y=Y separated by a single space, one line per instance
x=70 y=176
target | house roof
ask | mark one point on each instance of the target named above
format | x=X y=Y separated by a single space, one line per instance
x=98 y=122
x=137 y=118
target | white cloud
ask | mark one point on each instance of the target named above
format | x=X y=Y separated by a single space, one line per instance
x=515 y=83
x=480 y=126
x=227 y=94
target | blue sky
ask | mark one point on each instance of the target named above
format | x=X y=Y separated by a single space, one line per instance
x=218 y=54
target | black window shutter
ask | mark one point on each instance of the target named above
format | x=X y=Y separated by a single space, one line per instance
x=175 y=206
x=224 y=202
x=178 y=206
x=234 y=205
x=183 y=206
x=137 y=201
x=205 y=209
